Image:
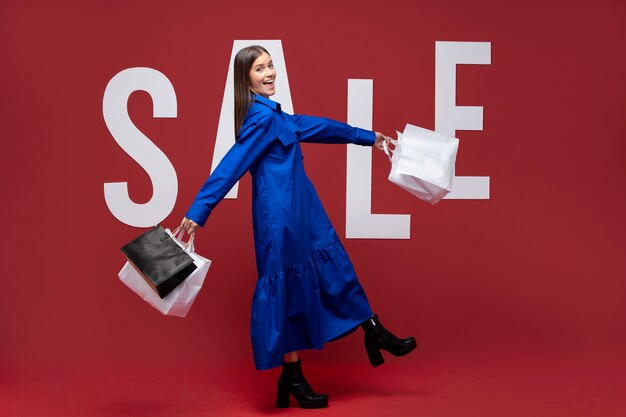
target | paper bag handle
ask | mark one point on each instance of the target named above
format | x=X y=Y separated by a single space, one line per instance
x=388 y=151
x=178 y=234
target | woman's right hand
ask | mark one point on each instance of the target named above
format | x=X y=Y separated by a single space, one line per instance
x=380 y=138
x=189 y=226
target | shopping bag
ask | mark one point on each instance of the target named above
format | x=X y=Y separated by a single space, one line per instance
x=178 y=302
x=422 y=162
x=162 y=261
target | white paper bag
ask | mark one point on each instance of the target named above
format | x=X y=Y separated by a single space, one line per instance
x=423 y=162
x=179 y=301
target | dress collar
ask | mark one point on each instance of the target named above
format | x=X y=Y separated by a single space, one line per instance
x=269 y=103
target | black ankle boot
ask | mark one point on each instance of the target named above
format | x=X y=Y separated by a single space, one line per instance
x=292 y=382
x=377 y=338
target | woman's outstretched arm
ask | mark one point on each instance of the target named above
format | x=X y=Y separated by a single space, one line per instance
x=254 y=139
x=323 y=130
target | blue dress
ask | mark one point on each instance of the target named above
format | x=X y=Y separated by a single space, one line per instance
x=307 y=291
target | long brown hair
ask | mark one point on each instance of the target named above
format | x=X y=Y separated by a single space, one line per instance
x=243 y=99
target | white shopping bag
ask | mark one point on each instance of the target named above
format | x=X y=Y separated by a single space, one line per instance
x=179 y=301
x=423 y=162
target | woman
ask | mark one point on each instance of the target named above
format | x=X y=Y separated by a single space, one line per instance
x=307 y=292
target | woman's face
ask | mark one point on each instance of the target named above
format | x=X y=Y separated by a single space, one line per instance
x=262 y=76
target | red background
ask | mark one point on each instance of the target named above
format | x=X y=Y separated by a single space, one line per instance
x=539 y=265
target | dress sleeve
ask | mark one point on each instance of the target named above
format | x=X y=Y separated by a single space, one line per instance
x=322 y=130
x=253 y=141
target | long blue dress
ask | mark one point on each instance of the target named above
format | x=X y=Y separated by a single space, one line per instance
x=307 y=291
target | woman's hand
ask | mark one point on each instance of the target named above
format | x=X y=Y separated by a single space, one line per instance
x=380 y=138
x=189 y=226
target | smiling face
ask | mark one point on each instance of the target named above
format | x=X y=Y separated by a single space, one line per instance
x=262 y=76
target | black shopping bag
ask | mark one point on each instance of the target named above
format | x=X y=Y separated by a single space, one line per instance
x=162 y=261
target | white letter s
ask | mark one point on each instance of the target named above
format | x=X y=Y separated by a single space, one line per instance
x=139 y=147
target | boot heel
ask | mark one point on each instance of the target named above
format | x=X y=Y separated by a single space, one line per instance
x=282 y=396
x=375 y=356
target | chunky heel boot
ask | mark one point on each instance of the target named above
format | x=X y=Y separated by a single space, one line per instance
x=377 y=338
x=292 y=382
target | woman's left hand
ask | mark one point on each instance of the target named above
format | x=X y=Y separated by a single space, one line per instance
x=189 y=226
x=380 y=138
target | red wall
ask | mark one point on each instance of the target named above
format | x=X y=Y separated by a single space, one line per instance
x=541 y=263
